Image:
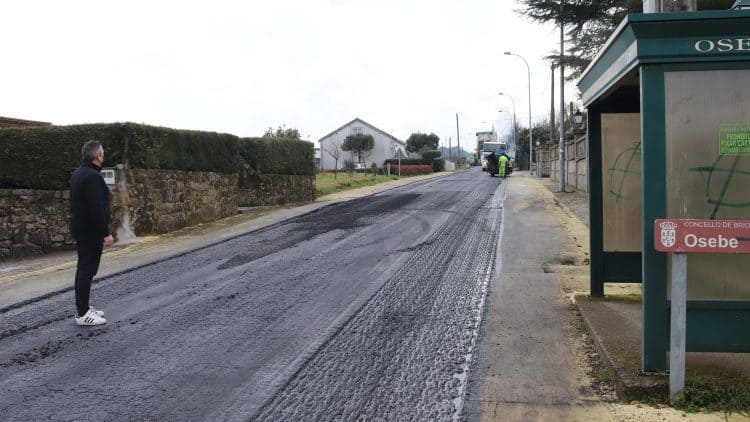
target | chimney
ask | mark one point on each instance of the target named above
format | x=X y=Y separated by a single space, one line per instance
x=665 y=6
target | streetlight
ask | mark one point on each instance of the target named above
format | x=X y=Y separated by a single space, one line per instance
x=515 y=126
x=528 y=74
x=578 y=117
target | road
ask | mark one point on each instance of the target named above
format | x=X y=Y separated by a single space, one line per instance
x=364 y=310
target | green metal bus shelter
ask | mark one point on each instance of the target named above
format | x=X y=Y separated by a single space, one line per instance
x=668 y=101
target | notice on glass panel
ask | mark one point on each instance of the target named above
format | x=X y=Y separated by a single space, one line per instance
x=734 y=139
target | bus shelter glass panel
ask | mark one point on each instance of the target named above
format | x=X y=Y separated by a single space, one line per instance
x=708 y=168
x=621 y=181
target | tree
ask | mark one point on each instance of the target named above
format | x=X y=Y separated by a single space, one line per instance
x=334 y=149
x=359 y=143
x=541 y=135
x=589 y=24
x=421 y=141
x=282 y=132
x=430 y=154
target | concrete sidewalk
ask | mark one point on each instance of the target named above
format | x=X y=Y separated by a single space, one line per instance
x=24 y=280
x=615 y=323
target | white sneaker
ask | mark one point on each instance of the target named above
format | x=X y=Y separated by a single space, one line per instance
x=97 y=311
x=90 y=318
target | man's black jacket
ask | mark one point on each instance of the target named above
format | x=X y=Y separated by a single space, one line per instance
x=89 y=203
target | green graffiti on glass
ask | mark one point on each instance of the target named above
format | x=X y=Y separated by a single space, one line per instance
x=731 y=175
x=734 y=140
x=626 y=164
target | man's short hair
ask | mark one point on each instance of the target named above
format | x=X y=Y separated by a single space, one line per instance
x=90 y=150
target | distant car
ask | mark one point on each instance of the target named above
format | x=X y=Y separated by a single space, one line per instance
x=359 y=166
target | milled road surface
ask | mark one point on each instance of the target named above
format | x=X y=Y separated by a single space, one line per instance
x=365 y=310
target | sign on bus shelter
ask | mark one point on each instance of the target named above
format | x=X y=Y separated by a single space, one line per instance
x=685 y=235
x=680 y=236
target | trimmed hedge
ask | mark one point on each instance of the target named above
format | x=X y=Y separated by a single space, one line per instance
x=188 y=150
x=408 y=161
x=438 y=164
x=278 y=156
x=431 y=154
x=412 y=169
x=44 y=157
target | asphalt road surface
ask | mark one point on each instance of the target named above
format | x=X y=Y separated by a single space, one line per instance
x=364 y=310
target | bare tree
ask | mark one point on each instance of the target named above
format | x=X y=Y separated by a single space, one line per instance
x=334 y=150
x=364 y=155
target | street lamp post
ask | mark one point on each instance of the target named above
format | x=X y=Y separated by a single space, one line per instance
x=531 y=140
x=515 y=126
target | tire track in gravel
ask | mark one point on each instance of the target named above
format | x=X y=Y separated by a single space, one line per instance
x=399 y=357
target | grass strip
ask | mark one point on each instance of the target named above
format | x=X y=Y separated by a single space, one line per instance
x=699 y=395
x=326 y=183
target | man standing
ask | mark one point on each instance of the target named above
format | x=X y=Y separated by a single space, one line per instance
x=89 y=225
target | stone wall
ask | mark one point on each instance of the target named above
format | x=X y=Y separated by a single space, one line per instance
x=275 y=189
x=143 y=202
x=32 y=221
x=158 y=201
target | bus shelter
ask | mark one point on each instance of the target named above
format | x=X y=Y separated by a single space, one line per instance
x=668 y=101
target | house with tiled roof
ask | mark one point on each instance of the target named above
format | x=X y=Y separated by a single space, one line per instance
x=386 y=145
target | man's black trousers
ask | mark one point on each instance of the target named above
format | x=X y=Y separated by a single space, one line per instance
x=89 y=255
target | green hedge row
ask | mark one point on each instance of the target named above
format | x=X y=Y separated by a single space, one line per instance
x=408 y=161
x=437 y=164
x=413 y=169
x=44 y=157
x=278 y=156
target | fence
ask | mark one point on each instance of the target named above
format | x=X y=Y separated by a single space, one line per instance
x=576 y=165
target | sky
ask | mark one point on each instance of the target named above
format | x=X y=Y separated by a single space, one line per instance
x=240 y=67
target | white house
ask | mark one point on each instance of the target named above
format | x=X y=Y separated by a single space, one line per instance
x=386 y=146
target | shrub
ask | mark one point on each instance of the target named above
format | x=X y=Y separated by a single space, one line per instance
x=438 y=165
x=349 y=166
x=412 y=169
x=408 y=161
x=278 y=156
x=43 y=157
x=430 y=154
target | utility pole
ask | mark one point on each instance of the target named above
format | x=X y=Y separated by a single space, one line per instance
x=563 y=165
x=458 y=140
x=450 y=150
x=552 y=106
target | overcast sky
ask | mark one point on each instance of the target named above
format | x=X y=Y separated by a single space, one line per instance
x=241 y=66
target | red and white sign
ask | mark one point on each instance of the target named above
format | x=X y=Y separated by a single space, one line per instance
x=687 y=235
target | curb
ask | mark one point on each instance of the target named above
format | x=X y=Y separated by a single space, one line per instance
x=629 y=384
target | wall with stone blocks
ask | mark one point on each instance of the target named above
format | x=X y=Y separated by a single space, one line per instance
x=33 y=221
x=275 y=189
x=160 y=201
x=157 y=201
